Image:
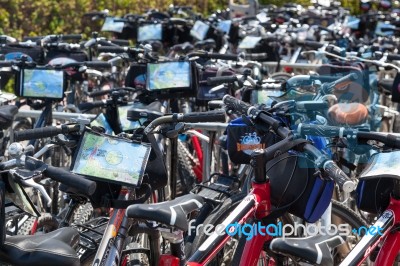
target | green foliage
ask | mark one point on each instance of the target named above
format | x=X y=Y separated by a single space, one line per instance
x=20 y=18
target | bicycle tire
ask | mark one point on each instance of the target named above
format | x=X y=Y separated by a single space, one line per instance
x=186 y=174
x=350 y=217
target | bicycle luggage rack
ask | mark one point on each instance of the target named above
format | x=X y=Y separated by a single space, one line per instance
x=92 y=232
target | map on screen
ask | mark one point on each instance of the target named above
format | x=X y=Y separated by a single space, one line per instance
x=149 y=32
x=199 y=30
x=169 y=75
x=111 y=159
x=113 y=26
x=43 y=83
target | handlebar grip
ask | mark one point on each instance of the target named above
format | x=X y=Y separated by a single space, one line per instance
x=393 y=141
x=314 y=45
x=312 y=105
x=97 y=64
x=256 y=57
x=6 y=63
x=236 y=105
x=210 y=116
x=325 y=131
x=348 y=78
x=215 y=104
x=45 y=132
x=112 y=49
x=344 y=182
x=99 y=93
x=221 y=80
x=72 y=37
x=106 y=43
x=393 y=57
x=233 y=57
x=120 y=42
x=90 y=105
x=78 y=182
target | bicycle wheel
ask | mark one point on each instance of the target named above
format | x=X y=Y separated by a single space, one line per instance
x=341 y=214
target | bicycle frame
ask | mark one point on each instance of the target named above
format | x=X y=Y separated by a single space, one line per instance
x=110 y=249
x=258 y=205
x=390 y=237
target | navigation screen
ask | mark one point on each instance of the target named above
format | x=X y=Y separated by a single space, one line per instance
x=199 y=30
x=249 y=42
x=149 y=32
x=225 y=26
x=126 y=124
x=384 y=29
x=111 y=25
x=169 y=75
x=111 y=159
x=42 y=83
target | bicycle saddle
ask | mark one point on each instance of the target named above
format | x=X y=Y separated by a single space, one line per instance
x=348 y=113
x=151 y=112
x=54 y=248
x=172 y=212
x=7 y=114
x=315 y=249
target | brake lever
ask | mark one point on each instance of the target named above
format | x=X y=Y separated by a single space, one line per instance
x=29 y=182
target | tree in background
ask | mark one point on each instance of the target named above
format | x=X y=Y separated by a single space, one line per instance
x=20 y=18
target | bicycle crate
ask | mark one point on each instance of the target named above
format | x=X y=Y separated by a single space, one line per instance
x=297 y=188
x=377 y=182
x=373 y=196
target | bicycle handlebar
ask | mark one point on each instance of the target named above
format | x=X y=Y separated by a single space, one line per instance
x=45 y=132
x=195 y=117
x=78 y=182
x=332 y=131
x=233 y=57
x=328 y=166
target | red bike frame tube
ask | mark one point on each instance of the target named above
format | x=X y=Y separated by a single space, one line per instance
x=198 y=169
x=388 y=220
x=391 y=246
x=254 y=246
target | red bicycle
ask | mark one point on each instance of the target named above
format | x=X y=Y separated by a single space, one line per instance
x=383 y=237
x=256 y=206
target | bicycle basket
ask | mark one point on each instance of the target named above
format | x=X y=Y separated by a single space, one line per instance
x=296 y=188
x=243 y=139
